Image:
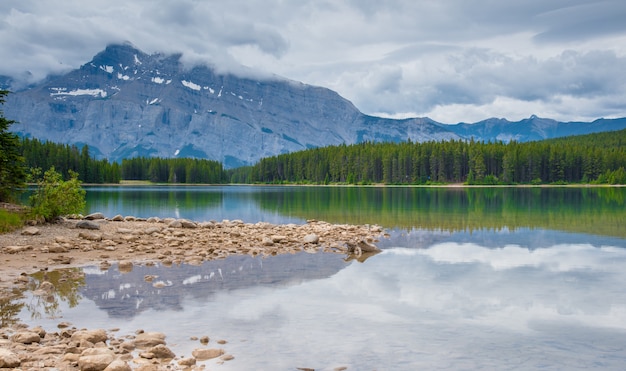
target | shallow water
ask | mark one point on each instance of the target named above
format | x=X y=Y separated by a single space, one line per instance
x=516 y=296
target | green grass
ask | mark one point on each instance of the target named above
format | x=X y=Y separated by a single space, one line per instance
x=10 y=220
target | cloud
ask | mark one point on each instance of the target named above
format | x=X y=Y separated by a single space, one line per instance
x=398 y=57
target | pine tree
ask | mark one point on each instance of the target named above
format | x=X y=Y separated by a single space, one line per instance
x=12 y=173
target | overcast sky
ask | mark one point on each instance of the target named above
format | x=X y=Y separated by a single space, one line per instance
x=451 y=60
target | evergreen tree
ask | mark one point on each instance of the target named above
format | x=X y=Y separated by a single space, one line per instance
x=12 y=172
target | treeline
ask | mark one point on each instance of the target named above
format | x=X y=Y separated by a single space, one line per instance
x=174 y=170
x=66 y=157
x=594 y=158
x=582 y=159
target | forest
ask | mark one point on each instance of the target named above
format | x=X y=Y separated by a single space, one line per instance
x=65 y=157
x=593 y=158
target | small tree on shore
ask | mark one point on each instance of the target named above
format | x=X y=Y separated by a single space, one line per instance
x=55 y=197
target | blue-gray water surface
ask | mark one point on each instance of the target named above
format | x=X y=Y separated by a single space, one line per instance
x=505 y=279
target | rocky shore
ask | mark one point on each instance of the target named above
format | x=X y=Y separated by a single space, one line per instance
x=95 y=239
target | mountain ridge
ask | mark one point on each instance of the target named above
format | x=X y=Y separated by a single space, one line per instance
x=125 y=103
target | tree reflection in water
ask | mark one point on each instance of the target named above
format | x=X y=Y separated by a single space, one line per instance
x=50 y=287
x=11 y=305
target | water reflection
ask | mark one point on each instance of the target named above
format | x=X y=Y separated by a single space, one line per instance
x=598 y=210
x=159 y=288
x=454 y=303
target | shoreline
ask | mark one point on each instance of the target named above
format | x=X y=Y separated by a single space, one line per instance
x=129 y=241
x=374 y=185
x=95 y=239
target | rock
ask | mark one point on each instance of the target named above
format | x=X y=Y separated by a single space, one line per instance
x=227 y=357
x=56 y=349
x=125 y=266
x=118 y=218
x=71 y=357
x=57 y=249
x=152 y=230
x=204 y=354
x=118 y=365
x=92 y=336
x=130 y=218
x=187 y=362
x=367 y=247
x=60 y=260
x=266 y=241
x=86 y=224
x=124 y=230
x=90 y=236
x=30 y=231
x=62 y=239
x=175 y=224
x=150 y=277
x=95 y=359
x=64 y=324
x=278 y=238
x=204 y=340
x=17 y=249
x=311 y=238
x=8 y=359
x=153 y=219
x=94 y=216
x=149 y=339
x=26 y=337
x=188 y=224
x=146 y=355
x=161 y=351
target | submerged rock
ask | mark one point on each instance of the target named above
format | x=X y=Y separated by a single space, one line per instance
x=202 y=354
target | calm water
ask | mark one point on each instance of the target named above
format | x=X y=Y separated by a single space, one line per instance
x=497 y=278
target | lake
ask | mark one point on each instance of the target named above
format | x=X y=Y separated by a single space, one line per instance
x=469 y=278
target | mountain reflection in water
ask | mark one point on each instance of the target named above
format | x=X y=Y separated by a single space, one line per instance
x=124 y=295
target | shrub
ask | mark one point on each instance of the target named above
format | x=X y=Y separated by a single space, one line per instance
x=55 y=197
x=9 y=220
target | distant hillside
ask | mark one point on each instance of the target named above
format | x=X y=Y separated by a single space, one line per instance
x=533 y=128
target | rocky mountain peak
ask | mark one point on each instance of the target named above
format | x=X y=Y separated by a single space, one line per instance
x=126 y=103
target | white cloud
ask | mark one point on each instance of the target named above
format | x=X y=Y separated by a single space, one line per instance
x=454 y=59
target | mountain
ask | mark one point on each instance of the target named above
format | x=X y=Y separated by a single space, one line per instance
x=126 y=103
x=533 y=128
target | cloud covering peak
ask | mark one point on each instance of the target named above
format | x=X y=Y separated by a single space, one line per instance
x=450 y=60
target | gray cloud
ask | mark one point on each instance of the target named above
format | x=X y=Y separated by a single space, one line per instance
x=452 y=60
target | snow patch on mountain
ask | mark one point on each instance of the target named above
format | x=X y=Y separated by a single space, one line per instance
x=191 y=85
x=76 y=92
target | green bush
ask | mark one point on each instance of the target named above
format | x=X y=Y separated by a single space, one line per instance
x=55 y=197
x=9 y=220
